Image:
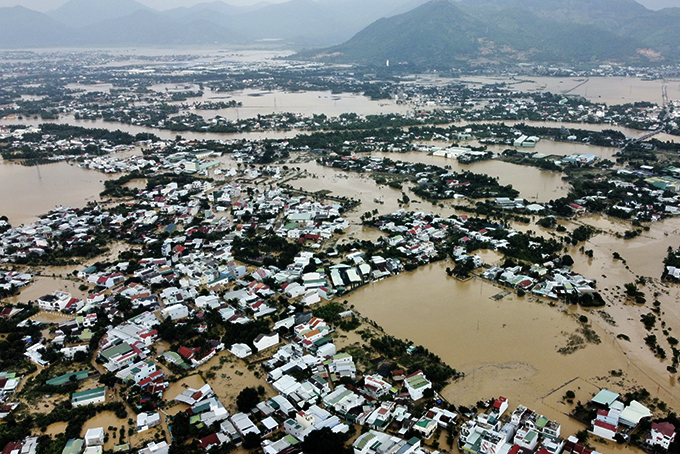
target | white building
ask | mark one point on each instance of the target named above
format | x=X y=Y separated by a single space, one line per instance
x=94 y=437
x=373 y=442
x=264 y=341
x=416 y=385
x=176 y=311
x=244 y=425
x=241 y=350
x=155 y=448
x=146 y=421
x=54 y=302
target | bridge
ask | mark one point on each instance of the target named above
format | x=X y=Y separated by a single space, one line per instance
x=666 y=105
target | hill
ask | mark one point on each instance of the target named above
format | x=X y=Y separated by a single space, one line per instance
x=443 y=33
x=82 y=13
x=22 y=27
x=625 y=18
x=146 y=27
x=435 y=32
x=315 y=22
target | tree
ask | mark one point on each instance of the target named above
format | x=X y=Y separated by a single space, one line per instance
x=251 y=440
x=323 y=441
x=567 y=260
x=247 y=399
x=108 y=379
x=405 y=199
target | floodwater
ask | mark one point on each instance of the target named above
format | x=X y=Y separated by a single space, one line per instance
x=506 y=347
x=193 y=381
x=532 y=183
x=43 y=285
x=105 y=420
x=608 y=90
x=163 y=134
x=550 y=148
x=231 y=376
x=258 y=102
x=28 y=192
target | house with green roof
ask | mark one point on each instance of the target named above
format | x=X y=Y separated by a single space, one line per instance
x=90 y=396
x=174 y=358
x=374 y=442
x=416 y=384
x=73 y=446
x=68 y=378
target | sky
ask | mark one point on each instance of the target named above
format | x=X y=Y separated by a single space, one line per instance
x=46 y=5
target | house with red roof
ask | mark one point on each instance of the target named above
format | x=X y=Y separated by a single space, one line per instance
x=187 y=353
x=662 y=434
x=213 y=440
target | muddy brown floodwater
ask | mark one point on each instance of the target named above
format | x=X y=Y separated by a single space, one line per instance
x=506 y=347
x=28 y=192
x=609 y=90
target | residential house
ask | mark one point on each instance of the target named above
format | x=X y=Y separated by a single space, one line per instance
x=416 y=384
x=90 y=396
x=264 y=341
x=241 y=350
x=662 y=434
x=373 y=442
x=155 y=448
x=176 y=311
x=94 y=437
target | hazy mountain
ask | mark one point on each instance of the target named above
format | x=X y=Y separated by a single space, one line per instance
x=625 y=18
x=222 y=10
x=82 y=13
x=659 y=4
x=146 y=27
x=437 y=31
x=658 y=30
x=22 y=27
x=309 y=22
x=441 y=33
x=604 y=13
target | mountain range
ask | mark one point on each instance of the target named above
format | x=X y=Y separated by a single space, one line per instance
x=445 y=33
x=421 y=33
x=297 y=23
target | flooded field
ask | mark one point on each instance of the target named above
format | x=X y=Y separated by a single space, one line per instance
x=163 y=134
x=29 y=192
x=257 y=102
x=44 y=285
x=532 y=183
x=56 y=428
x=178 y=387
x=549 y=147
x=609 y=90
x=506 y=347
x=231 y=376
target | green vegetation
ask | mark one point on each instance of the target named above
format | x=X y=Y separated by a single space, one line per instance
x=416 y=358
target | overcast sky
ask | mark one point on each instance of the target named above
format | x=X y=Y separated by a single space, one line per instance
x=46 y=5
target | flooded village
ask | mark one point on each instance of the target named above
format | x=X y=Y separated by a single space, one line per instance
x=481 y=264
